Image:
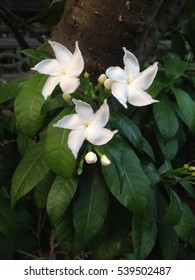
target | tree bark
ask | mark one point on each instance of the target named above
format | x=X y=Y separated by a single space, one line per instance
x=102 y=28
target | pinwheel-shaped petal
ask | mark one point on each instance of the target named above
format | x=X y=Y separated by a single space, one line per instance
x=86 y=125
x=129 y=84
x=64 y=70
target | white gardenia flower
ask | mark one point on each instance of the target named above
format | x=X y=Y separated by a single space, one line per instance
x=86 y=124
x=64 y=70
x=129 y=84
x=90 y=158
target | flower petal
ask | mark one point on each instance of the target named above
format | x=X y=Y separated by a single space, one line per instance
x=138 y=97
x=83 y=109
x=146 y=77
x=49 y=86
x=99 y=136
x=62 y=54
x=70 y=122
x=76 y=63
x=48 y=66
x=101 y=116
x=120 y=92
x=131 y=64
x=116 y=74
x=69 y=84
x=75 y=140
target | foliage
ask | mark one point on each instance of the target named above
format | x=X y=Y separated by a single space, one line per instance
x=140 y=206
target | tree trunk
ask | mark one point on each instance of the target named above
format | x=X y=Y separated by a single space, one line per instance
x=102 y=28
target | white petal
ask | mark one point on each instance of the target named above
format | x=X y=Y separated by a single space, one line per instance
x=76 y=63
x=49 y=86
x=48 y=67
x=75 y=140
x=62 y=54
x=131 y=64
x=70 y=122
x=138 y=97
x=120 y=92
x=116 y=74
x=101 y=116
x=99 y=136
x=69 y=84
x=83 y=109
x=145 y=78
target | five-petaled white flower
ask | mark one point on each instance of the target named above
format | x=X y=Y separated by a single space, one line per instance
x=129 y=84
x=86 y=125
x=63 y=70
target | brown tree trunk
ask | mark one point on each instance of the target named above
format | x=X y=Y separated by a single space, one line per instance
x=102 y=28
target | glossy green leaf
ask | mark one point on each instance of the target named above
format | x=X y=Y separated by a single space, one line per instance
x=187 y=107
x=56 y=151
x=60 y=196
x=186 y=225
x=91 y=204
x=165 y=117
x=30 y=171
x=28 y=105
x=174 y=211
x=66 y=235
x=189 y=188
x=9 y=90
x=24 y=143
x=125 y=177
x=175 y=67
x=144 y=229
x=39 y=54
x=168 y=147
x=42 y=190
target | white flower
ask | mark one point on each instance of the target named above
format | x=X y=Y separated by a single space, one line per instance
x=90 y=158
x=86 y=125
x=129 y=84
x=104 y=160
x=63 y=70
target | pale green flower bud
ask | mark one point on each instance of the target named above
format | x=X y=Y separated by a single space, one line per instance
x=86 y=75
x=191 y=168
x=66 y=97
x=90 y=158
x=108 y=83
x=102 y=78
x=104 y=160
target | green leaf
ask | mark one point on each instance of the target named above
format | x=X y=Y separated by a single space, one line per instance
x=168 y=147
x=30 y=171
x=37 y=53
x=174 y=211
x=28 y=105
x=187 y=107
x=175 y=67
x=56 y=151
x=178 y=44
x=165 y=117
x=66 y=235
x=168 y=242
x=42 y=190
x=91 y=204
x=144 y=229
x=60 y=196
x=9 y=90
x=125 y=177
x=9 y=222
x=24 y=143
x=186 y=225
x=189 y=188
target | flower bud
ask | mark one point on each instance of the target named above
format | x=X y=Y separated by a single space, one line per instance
x=102 y=78
x=108 y=83
x=104 y=160
x=191 y=168
x=90 y=158
x=86 y=75
x=66 y=97
x=185 y=166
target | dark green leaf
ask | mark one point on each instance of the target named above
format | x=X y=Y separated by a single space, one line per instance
x=60 y=196
x=144 y=229
x=24 y=143
x=56 y=151
x=91 y=204
x=39 y=54
x=165 y=117
x=187 y=107
x=175 y=67
x=30 y=171
x=168 y=147
x=28 y=105
x=124 y=176
x=174 y=211
x=186 y=225
x=9 y=90
x=178 y=44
